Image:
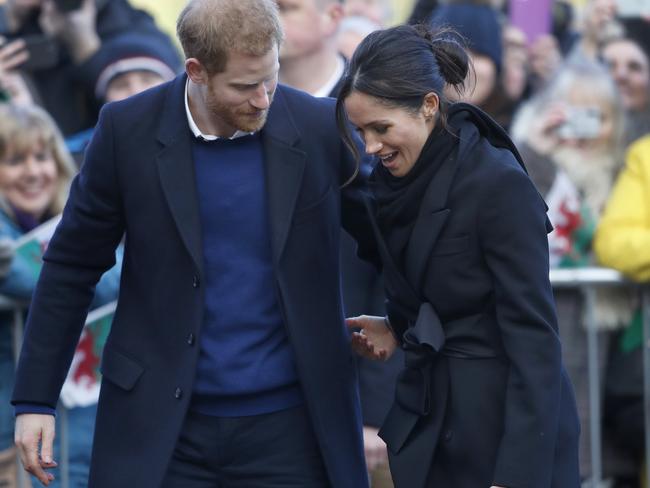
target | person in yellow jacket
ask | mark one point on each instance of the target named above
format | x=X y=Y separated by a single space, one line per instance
x=622 y=242
x=623 y=236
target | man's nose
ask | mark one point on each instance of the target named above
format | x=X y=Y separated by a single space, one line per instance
x=261 y=100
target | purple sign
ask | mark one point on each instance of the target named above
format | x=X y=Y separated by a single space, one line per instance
x=533 y=17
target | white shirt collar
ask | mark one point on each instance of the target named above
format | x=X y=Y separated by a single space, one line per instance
x=195 y=128
x=326 y=89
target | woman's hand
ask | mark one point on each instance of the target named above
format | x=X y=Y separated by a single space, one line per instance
x=374 y=340
x=542 y=136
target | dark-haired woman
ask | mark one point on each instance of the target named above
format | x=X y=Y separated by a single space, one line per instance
x=483 y=399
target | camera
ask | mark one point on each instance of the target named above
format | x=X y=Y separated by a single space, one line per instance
x=581 y=123
x=632 y=8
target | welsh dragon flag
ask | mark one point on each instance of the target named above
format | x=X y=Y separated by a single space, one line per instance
x=81 y=387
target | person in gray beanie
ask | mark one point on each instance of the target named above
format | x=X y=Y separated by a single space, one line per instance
x=131 y=63
x=126 y=65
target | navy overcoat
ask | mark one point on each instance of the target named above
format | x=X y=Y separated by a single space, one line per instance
x=138 y=180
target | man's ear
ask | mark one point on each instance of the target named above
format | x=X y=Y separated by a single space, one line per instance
x=196 y=71
x=334 y=14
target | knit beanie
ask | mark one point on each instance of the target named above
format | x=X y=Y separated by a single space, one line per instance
x=133 y=52
x=478 y=24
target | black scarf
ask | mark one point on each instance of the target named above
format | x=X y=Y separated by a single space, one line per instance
x=398 y=199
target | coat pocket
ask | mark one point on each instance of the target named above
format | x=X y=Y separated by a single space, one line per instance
x=119 y=369
x=453 y=245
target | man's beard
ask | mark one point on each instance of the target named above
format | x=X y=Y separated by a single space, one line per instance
x=250 y=120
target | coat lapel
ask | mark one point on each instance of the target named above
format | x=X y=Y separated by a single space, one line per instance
x=285 y=165
x=176 y=171
x=430 y=222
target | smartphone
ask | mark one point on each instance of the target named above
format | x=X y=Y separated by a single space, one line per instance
x=68 y=5
x=581 y=123
x=43 y=53
x=632 y=8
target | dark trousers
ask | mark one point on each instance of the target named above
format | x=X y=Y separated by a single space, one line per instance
x=275 y=450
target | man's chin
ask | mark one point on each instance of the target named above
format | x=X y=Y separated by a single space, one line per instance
x=251 y=124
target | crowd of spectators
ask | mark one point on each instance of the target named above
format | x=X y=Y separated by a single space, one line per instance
x=575 y=98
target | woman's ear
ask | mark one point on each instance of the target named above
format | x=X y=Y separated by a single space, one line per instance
x=430 y=105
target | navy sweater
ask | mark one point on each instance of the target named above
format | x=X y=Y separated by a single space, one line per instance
x=246 y=366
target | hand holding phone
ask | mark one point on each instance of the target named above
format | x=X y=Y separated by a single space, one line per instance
x=12 y=54
x=76 y=29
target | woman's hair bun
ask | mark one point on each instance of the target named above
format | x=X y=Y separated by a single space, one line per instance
x=448 y=48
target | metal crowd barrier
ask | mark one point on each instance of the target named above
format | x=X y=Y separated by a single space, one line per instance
x=18 y=309
x=584 y=279
x=587 y=280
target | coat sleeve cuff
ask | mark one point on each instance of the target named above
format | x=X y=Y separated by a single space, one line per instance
x=22 y=408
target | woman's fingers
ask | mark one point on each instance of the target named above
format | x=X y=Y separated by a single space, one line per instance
x=12 y=55
x=364 y=347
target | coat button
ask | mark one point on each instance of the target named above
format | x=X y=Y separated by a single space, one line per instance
x=190 y=339
x=448 y=435
x=195 y=281
x=178 y=393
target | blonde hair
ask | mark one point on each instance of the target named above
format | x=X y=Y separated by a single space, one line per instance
x=210 y=29
x=22 y=129
x=590 y=76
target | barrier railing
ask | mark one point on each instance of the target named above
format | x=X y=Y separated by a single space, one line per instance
x=18 y=308
x=585 y=279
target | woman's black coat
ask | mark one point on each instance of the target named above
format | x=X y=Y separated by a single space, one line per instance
x=484 y=399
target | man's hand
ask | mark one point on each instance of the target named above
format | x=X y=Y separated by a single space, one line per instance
x=18 y=10
x=34 y=431
x=12 y=54
x=374 y=448
x=76 y=29
x=375 y=340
